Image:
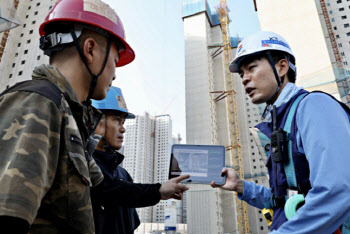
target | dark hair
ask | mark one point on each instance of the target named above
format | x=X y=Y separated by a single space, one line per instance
x=99 y=35
x=276 y=57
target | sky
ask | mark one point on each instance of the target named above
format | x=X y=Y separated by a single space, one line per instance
x=155 y=80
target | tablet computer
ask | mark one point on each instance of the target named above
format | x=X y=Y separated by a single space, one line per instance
x=203 y=163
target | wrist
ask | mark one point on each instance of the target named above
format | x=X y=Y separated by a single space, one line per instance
x=240 y=186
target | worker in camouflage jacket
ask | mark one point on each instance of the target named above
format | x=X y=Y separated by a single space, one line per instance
x=46 y=168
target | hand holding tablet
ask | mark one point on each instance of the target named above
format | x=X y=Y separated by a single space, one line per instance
x=203 y=163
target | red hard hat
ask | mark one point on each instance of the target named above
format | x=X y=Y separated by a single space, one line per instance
x=92 y=12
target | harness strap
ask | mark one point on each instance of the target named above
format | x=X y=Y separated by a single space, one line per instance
x=289 y=166
x=289 y=169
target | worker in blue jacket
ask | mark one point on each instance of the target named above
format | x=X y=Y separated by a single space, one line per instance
x=320 y=134
x=115 y=199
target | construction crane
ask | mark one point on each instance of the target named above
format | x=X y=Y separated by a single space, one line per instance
x=235 y=147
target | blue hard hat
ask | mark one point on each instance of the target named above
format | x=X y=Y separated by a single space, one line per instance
x=113 y=101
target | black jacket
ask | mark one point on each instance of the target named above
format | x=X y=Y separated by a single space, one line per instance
x=115 y=199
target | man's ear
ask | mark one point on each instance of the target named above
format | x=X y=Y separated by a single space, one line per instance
x=282 y=67
x=89 y=48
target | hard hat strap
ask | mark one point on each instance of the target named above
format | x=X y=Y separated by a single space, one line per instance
x=104 y=138
x=106 y=146
x=279 y=83
x=94 y=76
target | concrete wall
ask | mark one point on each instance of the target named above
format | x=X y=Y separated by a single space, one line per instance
x=198 y=98
x=22 y=51
x=203 y=210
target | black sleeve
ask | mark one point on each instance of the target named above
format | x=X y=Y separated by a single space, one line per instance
x=127 y=194
x=13 y=225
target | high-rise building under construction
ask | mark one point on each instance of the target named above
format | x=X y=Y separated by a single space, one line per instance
x=20 y=46
x=208 y=121
x=318 y=32
x=148 y=141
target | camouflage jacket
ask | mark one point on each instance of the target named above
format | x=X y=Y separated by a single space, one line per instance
x=46 y=168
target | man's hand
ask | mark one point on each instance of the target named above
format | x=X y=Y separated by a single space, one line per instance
x=232 y=183
x=172 y=188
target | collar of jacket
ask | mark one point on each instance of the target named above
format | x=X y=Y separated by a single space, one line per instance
x=282 y=114
x=287 y=93
x=79 y=111
x=113 y=159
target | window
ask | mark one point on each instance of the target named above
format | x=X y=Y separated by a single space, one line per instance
x=38 y=58
x=36 y=13
x=29 y=7
x=27 y=16
x=341 y=9
x=343 y=17
x=26 y=52
x=31 y=32
x=330 y=12
x=345 y=63
x=10 y=76
x=339 y=1
x=22 y=34
x=337 y=36
x=20 y=73
x=28 y=41
x=328 y=4
x=332 y=19
x=33 y=22
x=335 y=28
x=23 y=62
x=24 y=25
x=16 y=55
x=38 y=4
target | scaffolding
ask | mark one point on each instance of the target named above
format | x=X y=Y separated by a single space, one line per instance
x=235 y=147
x=331 y=35
x=340 y=75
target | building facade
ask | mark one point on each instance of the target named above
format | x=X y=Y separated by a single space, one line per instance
x=318 y=32
x=147 y=148
x=207 y=122
x=21 y=52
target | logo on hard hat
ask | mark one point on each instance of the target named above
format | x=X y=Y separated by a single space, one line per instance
x=121 y=102
x=239 y=48
x=100 y=8
x=272 y=42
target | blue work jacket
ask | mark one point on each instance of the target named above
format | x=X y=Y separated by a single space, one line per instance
x=320 y=136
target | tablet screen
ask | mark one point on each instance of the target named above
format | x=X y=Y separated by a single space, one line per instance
x=202 y=162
